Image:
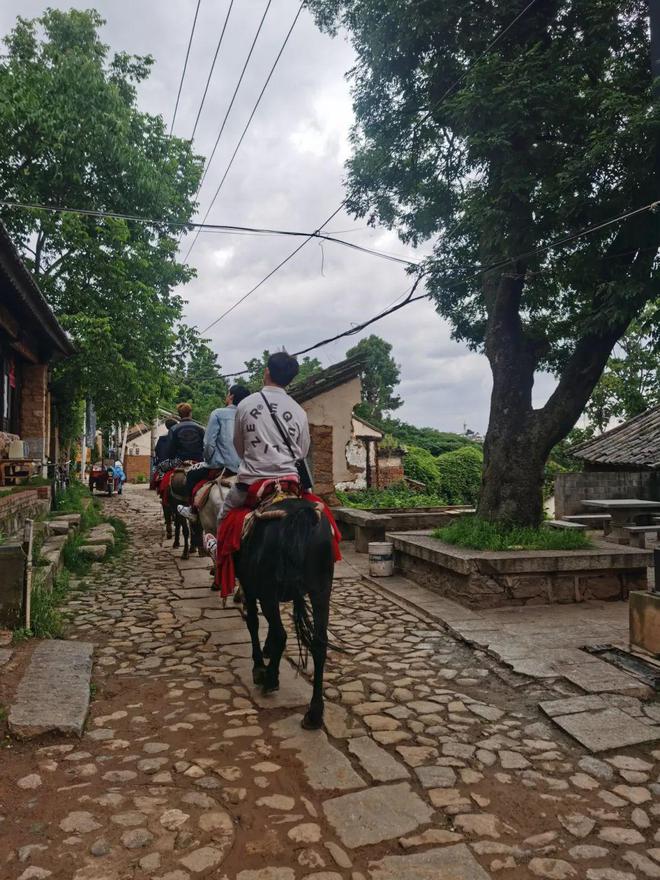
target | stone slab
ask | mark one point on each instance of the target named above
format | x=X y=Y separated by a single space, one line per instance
x=367 y=817
x=326 y=768
x=445 y=863
x=599 y=677
x=238 y=636
x=571 y=705
x=295 y=691
x=376 y=761
x=53 y=695
x=5 y=655
x=610 y=729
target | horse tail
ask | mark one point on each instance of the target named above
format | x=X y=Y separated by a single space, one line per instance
x=296 y=530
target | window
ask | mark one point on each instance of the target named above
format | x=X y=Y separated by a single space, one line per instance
x=10 y=391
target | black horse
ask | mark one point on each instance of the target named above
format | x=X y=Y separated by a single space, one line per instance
x=287 y=556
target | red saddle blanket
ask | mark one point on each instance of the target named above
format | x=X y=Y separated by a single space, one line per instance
x=163 y=485
x=230 y=532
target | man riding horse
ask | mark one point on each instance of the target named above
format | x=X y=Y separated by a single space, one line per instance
x=281 y=539
x=220 y=456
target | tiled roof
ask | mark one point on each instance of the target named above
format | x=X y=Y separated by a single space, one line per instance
x=634 y=444
x=326 y=380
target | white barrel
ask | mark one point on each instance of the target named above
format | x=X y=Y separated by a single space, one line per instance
x=381 y=559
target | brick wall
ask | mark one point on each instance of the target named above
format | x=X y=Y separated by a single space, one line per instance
x=390 y=468
x=321 y=461
x=134 y=465
x=19 y=506
x=35 y=409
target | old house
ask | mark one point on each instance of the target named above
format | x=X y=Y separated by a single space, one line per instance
x=345 y=449
x=139 y=448
x=31 y=340
x=624 y=462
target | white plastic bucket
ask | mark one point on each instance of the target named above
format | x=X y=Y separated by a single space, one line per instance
x=381 y=559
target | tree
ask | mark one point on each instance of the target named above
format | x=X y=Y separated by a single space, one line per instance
x=631 y=381
x=200 y=383
x=73 y=136
x=380 y=377
x=256 y=367
x=497 y=153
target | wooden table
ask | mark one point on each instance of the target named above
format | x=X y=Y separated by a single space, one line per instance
x=15 y=470
x=623 y=512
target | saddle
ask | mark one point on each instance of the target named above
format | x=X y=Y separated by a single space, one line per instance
x=202 y=491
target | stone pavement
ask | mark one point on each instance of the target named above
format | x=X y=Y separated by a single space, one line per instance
x=436 y=762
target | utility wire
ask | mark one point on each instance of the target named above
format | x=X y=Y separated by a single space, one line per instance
x=435 y=106
x=213 y=227
x=233 y=98
x=208 y=79
x=653 y=207
x=273 y=271
x=247 y=125
x=185 y=66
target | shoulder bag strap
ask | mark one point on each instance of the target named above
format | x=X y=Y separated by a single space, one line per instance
x=281 y=430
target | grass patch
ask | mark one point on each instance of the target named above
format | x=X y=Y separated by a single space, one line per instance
x=47 y=620
x=395 y=496
x=479 y=534
x=121 y=536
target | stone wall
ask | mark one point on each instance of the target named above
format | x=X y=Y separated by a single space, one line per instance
x=35 y=410
x=134 y=465
x=571 y=489
x=478 y=590
x=321 y=461
x=19 y=506
x=488 y=579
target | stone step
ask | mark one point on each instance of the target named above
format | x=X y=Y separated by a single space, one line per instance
x=53 y=695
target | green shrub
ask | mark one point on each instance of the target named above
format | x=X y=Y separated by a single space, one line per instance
x=140 y=478
x=46 y=621
x=394 y=496
x=479 y=534
x=420 y=465
x=459 y=479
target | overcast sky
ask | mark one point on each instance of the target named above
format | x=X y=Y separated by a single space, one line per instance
x=288 y=174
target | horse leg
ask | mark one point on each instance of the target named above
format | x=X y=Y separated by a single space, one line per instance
x=186 y=536
x=252 y=621
x=277 y=641
x=168 y=523
x=313 y=718
x=177 y=530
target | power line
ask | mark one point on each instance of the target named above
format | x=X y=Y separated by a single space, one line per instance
x=247 y=125
x=654 y=207
x=185 y=66
x=233 y=98
x=273 y=271
x=208 y=79
x=489 y=48
x=213 y=227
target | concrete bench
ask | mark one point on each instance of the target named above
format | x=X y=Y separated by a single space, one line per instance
x=638 y=534
x=595 y=520
x=563 y=524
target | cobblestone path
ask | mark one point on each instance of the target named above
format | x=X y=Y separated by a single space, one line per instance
x=436 y=764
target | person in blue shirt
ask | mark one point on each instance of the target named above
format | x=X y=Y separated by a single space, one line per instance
x=219 y=452
x=119 y=475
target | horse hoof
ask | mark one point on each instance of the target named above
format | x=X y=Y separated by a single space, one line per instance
x=266 y=653
x=258 y=675
x=311 y=722
x=269 y=688
x=176 y=545
x=185 y=556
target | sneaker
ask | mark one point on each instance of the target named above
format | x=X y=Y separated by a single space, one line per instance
x=210 y=544
x=188 y=512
